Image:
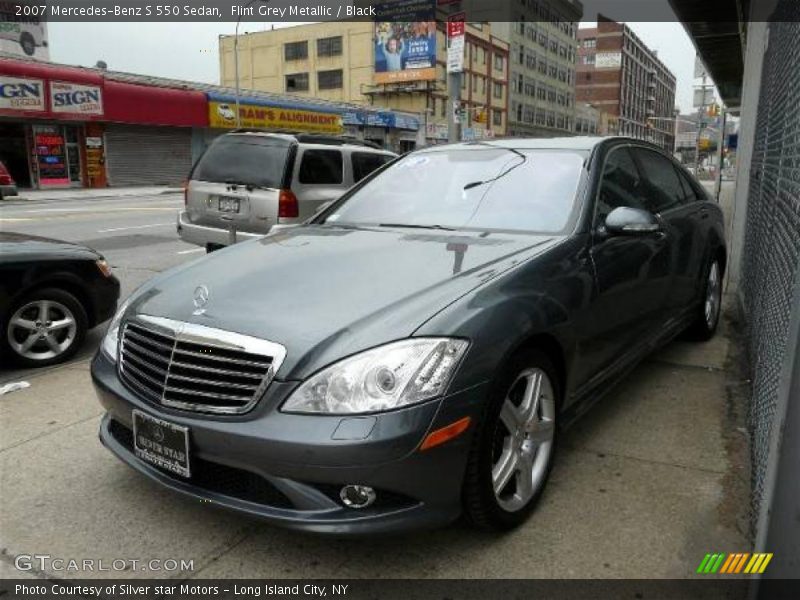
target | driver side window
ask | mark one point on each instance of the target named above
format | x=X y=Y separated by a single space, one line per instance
x=621 y=185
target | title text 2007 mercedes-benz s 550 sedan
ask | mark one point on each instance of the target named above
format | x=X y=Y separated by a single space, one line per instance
x=411 y=352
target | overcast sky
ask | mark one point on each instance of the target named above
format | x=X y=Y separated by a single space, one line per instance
x=189 y=50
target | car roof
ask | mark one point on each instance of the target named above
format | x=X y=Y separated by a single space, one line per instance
x=311 y=139
x=580 y=143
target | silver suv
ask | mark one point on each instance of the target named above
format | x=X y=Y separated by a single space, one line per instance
x=247 y=182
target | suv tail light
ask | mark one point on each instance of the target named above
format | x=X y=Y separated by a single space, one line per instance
x=287 y=205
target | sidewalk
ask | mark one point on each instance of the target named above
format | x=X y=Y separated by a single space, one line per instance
x=26 y=196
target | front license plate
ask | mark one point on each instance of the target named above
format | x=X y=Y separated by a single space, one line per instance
x=161 y=443
x=228 y=205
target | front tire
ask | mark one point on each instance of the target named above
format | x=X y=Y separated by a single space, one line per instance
x=46 y=327
x=707 y=318
x=513 y=452
x=28 y=44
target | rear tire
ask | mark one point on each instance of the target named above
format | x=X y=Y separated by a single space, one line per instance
x=45 y=327
x=512 y=453
x=707 y=318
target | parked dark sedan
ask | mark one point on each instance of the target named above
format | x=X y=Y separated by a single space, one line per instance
x=51 y=293
x=411 y=353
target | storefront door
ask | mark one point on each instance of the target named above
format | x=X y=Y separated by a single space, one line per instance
x=73 y=154
x=58 y=156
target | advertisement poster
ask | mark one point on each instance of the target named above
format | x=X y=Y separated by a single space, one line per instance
x=23 y=36
x=51 y=159
x=405 y=50
x=223 y=115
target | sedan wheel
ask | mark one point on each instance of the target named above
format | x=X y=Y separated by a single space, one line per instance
x=513 y=451
x=524 y=440
x=46 y=328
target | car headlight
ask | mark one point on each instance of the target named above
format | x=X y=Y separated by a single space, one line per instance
x=391 y=376
x=109 y=345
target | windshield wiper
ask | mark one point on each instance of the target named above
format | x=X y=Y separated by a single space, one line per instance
x=524 y=158
x=413 y=226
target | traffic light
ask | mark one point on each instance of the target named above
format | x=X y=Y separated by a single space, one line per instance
x=713 y=110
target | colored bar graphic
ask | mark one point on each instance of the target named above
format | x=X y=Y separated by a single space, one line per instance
x=737 y=562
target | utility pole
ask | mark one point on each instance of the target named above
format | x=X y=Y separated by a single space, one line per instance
x=456 y=34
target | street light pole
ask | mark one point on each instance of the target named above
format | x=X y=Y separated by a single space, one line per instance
x=236 y=55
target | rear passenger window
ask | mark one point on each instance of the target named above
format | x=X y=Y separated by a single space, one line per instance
x=621 y=184
x=321 y=167
x=664 y=189
x=365 y=163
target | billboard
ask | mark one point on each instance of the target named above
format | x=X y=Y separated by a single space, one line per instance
x=23 y=36
x=405 y=50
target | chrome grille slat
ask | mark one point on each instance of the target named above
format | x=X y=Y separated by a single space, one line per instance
x=242 y=374
x=193 y=367
x=246 y=363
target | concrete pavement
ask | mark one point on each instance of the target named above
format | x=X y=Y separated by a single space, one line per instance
x=60 y=195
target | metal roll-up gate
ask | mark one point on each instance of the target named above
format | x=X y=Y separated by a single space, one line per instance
x=147 y=155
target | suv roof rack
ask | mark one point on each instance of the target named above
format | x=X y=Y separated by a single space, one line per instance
x=313 y=138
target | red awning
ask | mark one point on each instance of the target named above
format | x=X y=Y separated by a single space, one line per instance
x=148 y=105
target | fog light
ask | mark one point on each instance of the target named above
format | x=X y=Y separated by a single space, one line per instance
x=357 y=496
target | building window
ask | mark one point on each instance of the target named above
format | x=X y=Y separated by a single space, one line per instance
x=331 y=46
x=498 y=62
x=497 y=118
x=498 y=90
x=329 y=80
x=298 y=82
x=295 y=51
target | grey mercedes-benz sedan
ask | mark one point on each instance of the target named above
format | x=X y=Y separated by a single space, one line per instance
x=410 y=353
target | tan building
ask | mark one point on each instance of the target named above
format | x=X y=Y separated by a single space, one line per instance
x=335 y=61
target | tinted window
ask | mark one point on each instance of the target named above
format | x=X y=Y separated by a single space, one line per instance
x=244 y=159
x=690 y=191
x=321 y=166
x=365 y=163
x=621 y=184
x=664 y=189
x=479 y=188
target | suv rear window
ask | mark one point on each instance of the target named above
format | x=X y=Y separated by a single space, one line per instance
x=244 y=159
x=321 y=166
x=365 y=163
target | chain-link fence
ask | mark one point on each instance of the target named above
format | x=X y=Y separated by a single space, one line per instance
x=771 y=257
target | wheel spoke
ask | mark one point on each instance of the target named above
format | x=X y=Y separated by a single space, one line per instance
x=510 y=416
x=504 y=470
x=28 y=343
x=525 y=477
x=44 y=310
x=542 y=432
x=529 y=406
x=53 y=343
x=24 y=323
x=61 y=324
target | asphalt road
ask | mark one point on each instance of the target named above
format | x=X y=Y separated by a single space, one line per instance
x=136 y=234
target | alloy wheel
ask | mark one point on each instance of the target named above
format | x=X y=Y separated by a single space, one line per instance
x=713 y=295
x=41 y=330
x=523 y=440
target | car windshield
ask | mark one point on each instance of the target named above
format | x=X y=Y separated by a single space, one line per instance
x=470 y=188
x=244 y=159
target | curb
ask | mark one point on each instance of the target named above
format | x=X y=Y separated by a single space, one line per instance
x=22 y=200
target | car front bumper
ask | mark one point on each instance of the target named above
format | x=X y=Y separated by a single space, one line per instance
x=288 y=469
x=202 y=235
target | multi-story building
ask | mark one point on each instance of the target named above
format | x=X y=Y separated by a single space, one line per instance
x=618 y=74
x=543 y=38
x=336 y=61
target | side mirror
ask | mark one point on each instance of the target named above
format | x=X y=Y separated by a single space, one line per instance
x=631 y=221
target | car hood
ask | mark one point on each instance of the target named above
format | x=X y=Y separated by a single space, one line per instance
x=21 y=246
x=326 y=292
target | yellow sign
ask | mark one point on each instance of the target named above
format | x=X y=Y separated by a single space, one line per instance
x=223 y=115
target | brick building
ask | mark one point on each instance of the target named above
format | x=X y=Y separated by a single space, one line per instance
x=619 y=75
